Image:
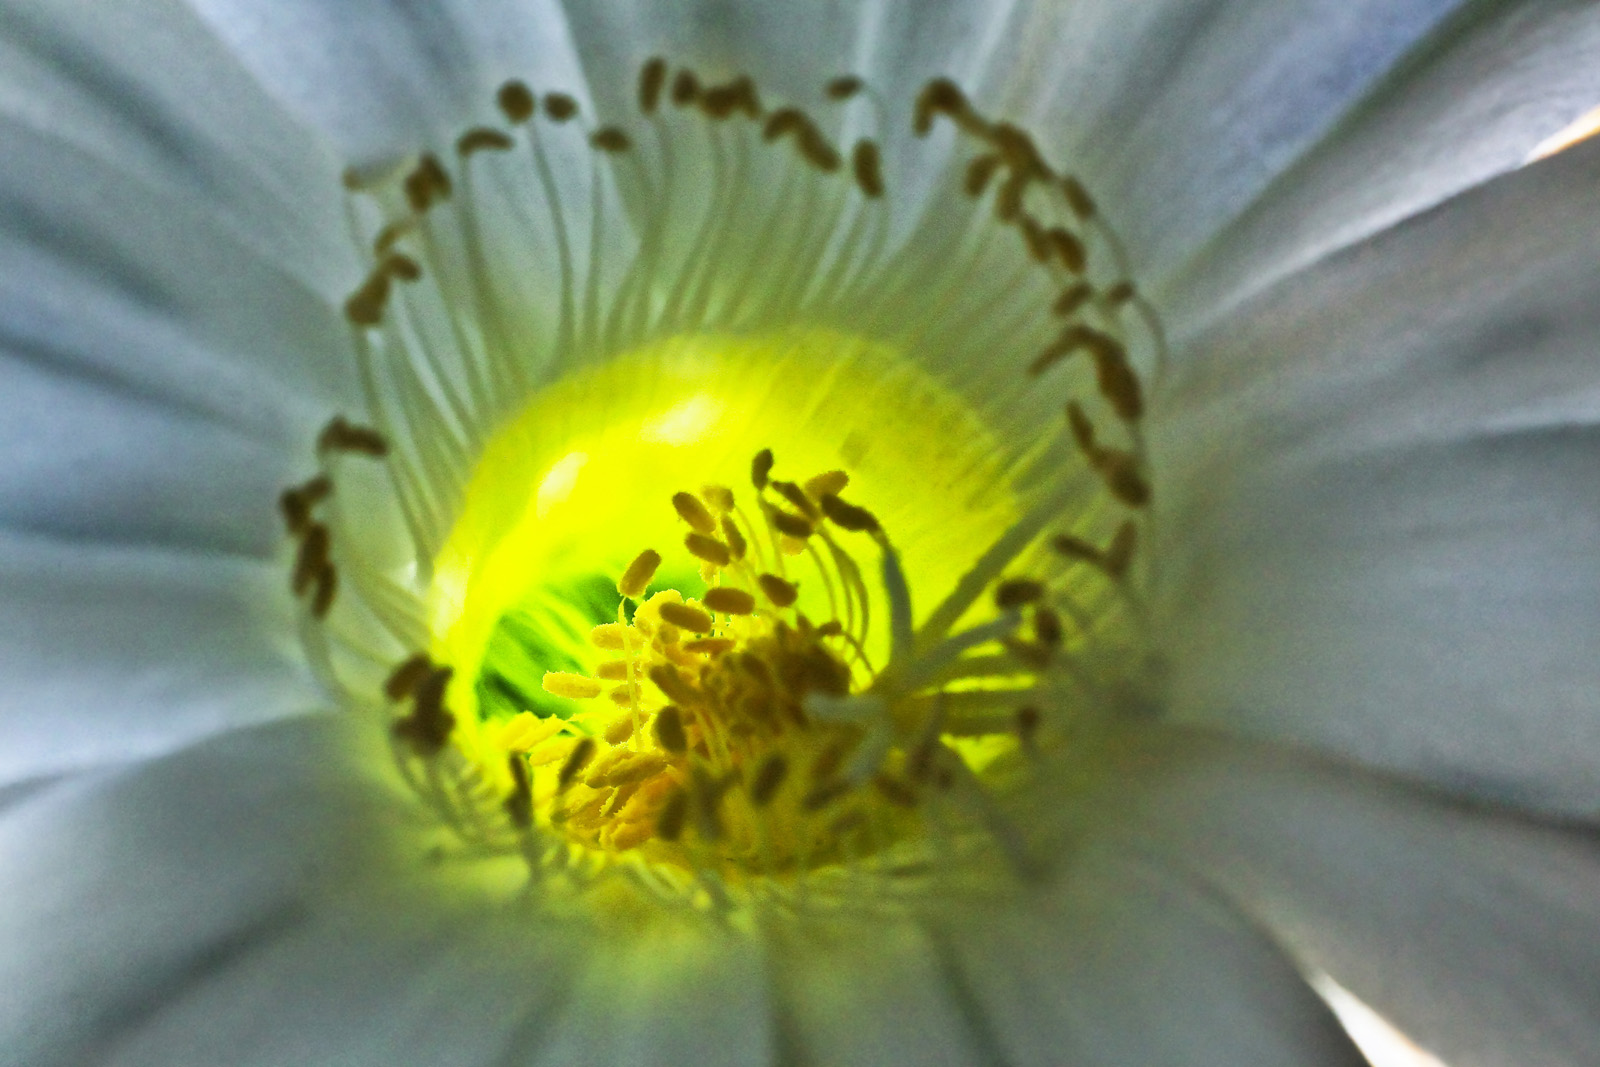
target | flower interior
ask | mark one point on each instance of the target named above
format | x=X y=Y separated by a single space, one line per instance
x=716 y=524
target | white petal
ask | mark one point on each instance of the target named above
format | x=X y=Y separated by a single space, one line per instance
x=120 y=890
x=380 y=78
x=112 y=655
x=1133 y=962
x=1476 y=933
x=1381 y=536
x=145 y=87
x=1471 y=106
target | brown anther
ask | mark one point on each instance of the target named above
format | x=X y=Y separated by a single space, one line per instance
x=729 y=601
x=789 y=524
x=1121 y=293
x=610 y=139
x=848 y=516
x=1017 y=149
x=979 y=171
x=559 y=107
x=1119 y=554
x=390 y=235
x=719 y=497
x=686 y=617
x=1033 y=235
x=692 y=511
x=407 y=676
x=768 y=778
x=519 y=805
x=1046 y=627
x=580 y=755
x=1008 y=199
x=1034 y=657
x=668 y=727
x=673 y=684
x=652 y=78
x=1082 y=429
x=781 y=593
x=1078 y=199
x=364 y=307
x=310 y=560
x=895 y=791
x=516 y=101
x=783 y=121
x=673 y=814
x=760 y=468
x=707 y=795
x=401 y=266
x=1076 y=548
x=1072 y=299
x=1026 y=722
x=1015 y=592
x=796 y=496
x=428 y=726
x=831 y=628
x=710 y=646
x=1117 y=381
x=342 y=436
x=737 y=96
x=824 y=793
x=296 y=503
x=867 y=167
x=940 y=96
x=737 y=546
x=708 y=550
x=427 y=184
x=482 y=139
x=685 y=88
x=820 y=485
x=844 y=87
x=636 y=579
x=815 y=149
x=1068 y=249
x=322 y=595
x=1121 y=473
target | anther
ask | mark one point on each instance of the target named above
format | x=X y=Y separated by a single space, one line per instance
x=719 y=497
x=311 y=559
x=1117 y=382
x=669 y=731
x=322 y=596
x=571 y=686
x=1046 y=627
x=1078 y=199
x=895 y=791
x=739 y=95
x=708 y=550
x=940 y=96
x=815 y=149
x=516 y=101
x=768 y=778
x=729 y=601
x=789 y=524
x=670 y=820
x=783 y=121
x=1008 y=200
x=685 y=88
x=519 y=805
x=364 y=307
x=820 y=485
x=1015 y=592
x=737 y=546
x=848 y=516
x=407 y=676
x=1068 y=249
x=1017 y=149
x=609 y=636
x=1121 y=473
x=559 y=107
x=760 y=468
x=979 y=171
x=781 y=593
x=296 y=504
x=693 y=512
x=652 y=78
x=844 y=87
x=689 y=618
x=673 y=684
x=342 y=436
x=867 y=167
x=428 y=726
x=636 y=579
x=481 y=139
x=1119 y=554
x=1026 y=723
x=1072 y=299
x=1121 y=293
x=796 y=496
x=824 y=794
x=710 y=646
x=610 y=139
x=1034 y=235
x=427 y=184
x=580 y=755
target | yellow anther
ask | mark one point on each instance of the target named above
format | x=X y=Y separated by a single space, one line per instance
x=620 y=730
x=708 y=550
x=612 y=670
x=652 y=78
x=737 y=546
x=580 y=755
x=559 y=107
x=407 y=676
x=571 y=686
x=729 y=601
x=693 y=512
x=844 y=87
x=710 y=646
x=610 y=139
x=525 y=730
x=610 y=636
x=516 y=101
x=761 y=468
x=673 y=684
x=669 y=731
x=636 y=579
x=867 y=167
x=689 y=618
x=637 y=769
x=482 y=139
x=781 y=593
x=848 y=516
x=1015 y=592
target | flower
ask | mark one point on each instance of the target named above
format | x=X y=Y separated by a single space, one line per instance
x=1364 y=746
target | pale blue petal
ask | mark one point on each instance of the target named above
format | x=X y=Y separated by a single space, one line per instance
x=1376 y=492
